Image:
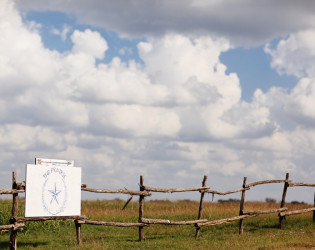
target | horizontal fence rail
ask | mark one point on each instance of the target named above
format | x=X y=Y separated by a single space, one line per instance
x=302 y=211
x=113 y=224
x=173 y=190
x=265 y=211
x=225 y=193
x=265 y=182
x=168 y=222
x=11 y=191
x=18 y=223
x=221 y=221
x=118 y=191
x=299 y=184
x=12 y=227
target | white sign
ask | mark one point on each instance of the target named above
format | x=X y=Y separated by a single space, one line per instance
x=52 y=191
x=53 y=162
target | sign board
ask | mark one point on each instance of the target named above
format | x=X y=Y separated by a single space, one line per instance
x=54 y=162
x=52 y=191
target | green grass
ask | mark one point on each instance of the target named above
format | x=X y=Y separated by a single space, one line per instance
x=260 y=232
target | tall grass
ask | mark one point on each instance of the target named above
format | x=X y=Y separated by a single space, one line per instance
x=260 y=232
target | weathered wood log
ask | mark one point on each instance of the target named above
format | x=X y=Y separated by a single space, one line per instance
x=173 y=190
x=168 y=222
x=306 y=210
x=18 y=226
x=127 y=202
x=228 y=192
x=188 y=222
x=15 y=203
x=301 y=184
x=221 y=221
x=117 y=191
x=20 y=185
x=286 y=185
x=266 y=211
x=141 y=204
x=78 y=232
x=155 y=221
x=25 y=219
x=6 y=227
x=266 y=182
x=15 y=226
x=11 y=191
x=242 y=206
x=204 y=182
x=112 y=224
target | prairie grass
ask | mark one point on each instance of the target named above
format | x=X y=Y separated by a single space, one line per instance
x=260 y=232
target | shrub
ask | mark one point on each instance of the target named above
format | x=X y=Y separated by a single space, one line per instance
x=270 y=200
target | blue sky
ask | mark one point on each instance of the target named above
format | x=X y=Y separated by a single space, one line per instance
x=58 y=20
x=169 y=90
x=251 y=64
x=253 y=68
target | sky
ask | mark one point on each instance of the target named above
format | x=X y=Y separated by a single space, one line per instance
x=171 y=90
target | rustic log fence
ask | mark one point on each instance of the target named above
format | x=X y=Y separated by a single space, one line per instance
x=18 y=223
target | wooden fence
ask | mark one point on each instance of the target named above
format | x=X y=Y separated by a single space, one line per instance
x=17 y=223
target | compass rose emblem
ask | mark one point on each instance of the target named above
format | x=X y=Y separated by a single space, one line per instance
x=54 y=193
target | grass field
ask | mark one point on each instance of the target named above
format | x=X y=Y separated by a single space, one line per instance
x=260 y=232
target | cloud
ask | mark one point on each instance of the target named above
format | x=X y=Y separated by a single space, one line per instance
x=300 y=107
x=294 y=55
x=62 y=33
x=90 y=43
x=137 y=120
x=243 y=22
x=177 y=114
x=33 y=138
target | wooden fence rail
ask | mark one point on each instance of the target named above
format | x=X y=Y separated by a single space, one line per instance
x=302 y=211
x=17 y=223
x=12 y=226
x=113 y=224
x=221 y=221
x=297 y=184
x=278 y=210
x=227 y=192
x=173 y=190
x=118 y=191
x=11 y=191
x=265 y=182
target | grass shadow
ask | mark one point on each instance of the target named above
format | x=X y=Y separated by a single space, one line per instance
x=6 y=245
x=156 y=237
x=252 y=227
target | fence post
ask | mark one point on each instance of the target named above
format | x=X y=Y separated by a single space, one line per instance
x=201 y=205
x=314 y=210
x=141 y=201
x=242 y=206
x=15 y=200
x=286 y=184
x=78 y=232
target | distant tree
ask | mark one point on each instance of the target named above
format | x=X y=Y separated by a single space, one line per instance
x=297 y=202
x=270 y=200
x=229 y=200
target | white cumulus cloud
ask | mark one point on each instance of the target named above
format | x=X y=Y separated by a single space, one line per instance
x=178 y=114
x=295 y=55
